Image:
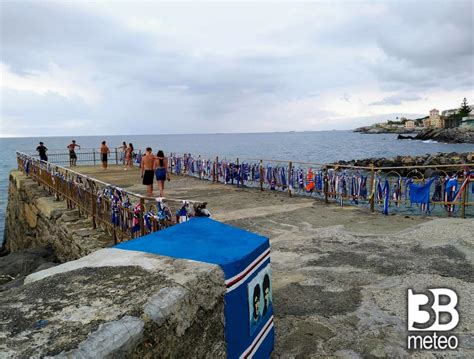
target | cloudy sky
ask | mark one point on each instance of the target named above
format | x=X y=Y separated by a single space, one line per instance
x=153 y=67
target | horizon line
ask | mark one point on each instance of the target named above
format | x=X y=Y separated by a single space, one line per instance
x=178 y=134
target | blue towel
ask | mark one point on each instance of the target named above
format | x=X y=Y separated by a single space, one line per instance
x=420 y=193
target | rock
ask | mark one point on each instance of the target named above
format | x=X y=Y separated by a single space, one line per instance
x=51 y=208
x=449 y=135
x=400 y=161
x=70 y=216
x=31 y=215
x=401 y=137
x=19 y=264
x=85 y=232
x=117 y=304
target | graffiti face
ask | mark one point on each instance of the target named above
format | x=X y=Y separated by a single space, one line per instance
x=256 y=301
x=259 y=294
x=266 y=294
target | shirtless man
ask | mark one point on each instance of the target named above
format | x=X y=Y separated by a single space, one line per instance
x=148 y=170
x=72 y=153
x=104 y=152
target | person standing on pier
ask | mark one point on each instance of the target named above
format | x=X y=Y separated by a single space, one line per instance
x=42 y=152
x=129 y=156
x=124 y=152
x=161 y=171
x=104 y=152
x=72 y=153
x=147 y=166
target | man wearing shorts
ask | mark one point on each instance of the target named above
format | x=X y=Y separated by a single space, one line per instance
x=72 y=153
x=147 y=165
x=104 y=152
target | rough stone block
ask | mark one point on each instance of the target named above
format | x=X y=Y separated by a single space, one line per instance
x=31 y=215
x=50 y=208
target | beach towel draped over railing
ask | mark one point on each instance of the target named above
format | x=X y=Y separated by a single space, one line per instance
x=123 y=214
x=388 y=188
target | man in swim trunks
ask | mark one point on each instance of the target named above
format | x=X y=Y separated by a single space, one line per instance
x=72 y=153
x=147 y=165
x=42 y=152
x=104 y=152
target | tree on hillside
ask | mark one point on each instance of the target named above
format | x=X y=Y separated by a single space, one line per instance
x=464 y=109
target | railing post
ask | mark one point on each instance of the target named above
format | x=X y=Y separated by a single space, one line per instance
x=93 y=155
x=94 y=209
x=116 y=156
x=372 y=188
x=142 y=217
x=290 y=166
x=261 y=175
x=237 y=168
x=213 y=172
x=464 y=196
x=56 y=185
x=326 y=186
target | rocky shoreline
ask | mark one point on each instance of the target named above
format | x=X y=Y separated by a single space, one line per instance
x=448 y=135
x=422 y=160
x=377 y=130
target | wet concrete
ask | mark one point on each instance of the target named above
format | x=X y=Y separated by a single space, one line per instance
x=341 y=274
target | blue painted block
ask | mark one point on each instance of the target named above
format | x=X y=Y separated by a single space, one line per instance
x=245 y=259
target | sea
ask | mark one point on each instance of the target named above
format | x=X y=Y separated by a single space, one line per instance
x=319 y=147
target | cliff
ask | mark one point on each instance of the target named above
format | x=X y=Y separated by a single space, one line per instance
x=375 y=129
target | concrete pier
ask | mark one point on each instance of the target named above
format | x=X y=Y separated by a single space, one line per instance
x=340 y=274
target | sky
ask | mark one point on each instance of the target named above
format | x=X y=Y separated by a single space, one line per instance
x=91 y=68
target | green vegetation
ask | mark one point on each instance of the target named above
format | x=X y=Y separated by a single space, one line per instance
x=465 y=109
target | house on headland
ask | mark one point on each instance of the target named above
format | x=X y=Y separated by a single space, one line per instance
x=410 y=124
x=434 y=121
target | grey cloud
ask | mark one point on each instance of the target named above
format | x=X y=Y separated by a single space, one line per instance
x=396 y=99
x=139 y=74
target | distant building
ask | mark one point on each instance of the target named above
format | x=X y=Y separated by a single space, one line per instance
x=452 y=122
x=447 y=113
x=434 y=121
x=468 y=121
x=409 y=124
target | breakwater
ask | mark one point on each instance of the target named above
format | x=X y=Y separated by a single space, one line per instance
x=340 y=276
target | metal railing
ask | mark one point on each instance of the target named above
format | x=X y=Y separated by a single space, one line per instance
x=387 y=188
x=121 y=213
x=384 y=188
x=85 y=156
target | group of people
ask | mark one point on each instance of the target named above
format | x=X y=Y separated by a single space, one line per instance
x=104 y=153
x=42 y=149
x=128 y=154
x=152 y=166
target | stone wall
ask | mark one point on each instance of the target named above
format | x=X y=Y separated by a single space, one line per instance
x=35 y=219
x=116 y=303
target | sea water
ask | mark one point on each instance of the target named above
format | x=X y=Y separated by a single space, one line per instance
x=320 y=147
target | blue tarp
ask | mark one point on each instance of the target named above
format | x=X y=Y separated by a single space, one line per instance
x=205 y=240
